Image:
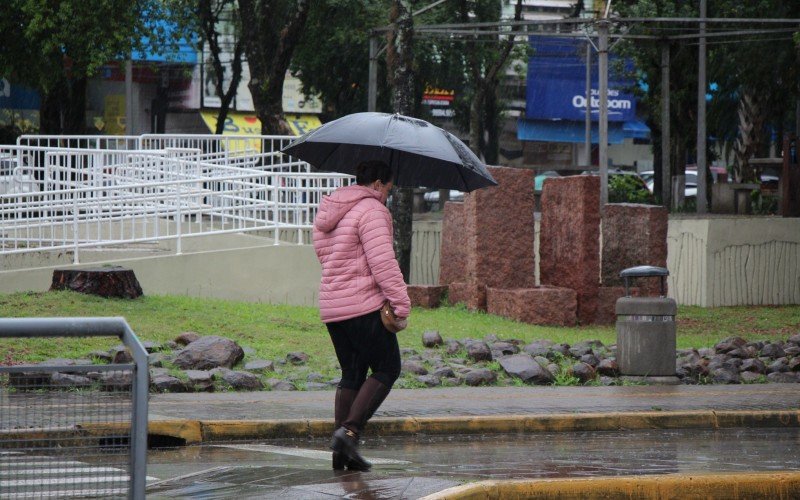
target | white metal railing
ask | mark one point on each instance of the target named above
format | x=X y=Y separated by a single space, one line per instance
x=74 y=198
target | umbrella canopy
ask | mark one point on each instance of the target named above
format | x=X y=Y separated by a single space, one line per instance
x=420 y=154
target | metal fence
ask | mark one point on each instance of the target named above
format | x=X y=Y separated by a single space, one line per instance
x=73 y=198
x=73 y=430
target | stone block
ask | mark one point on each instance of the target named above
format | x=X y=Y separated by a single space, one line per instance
x=453 y=258
x=500 y=230
x=473 y=295
x=607 y=302
x=569 y=239
x=427 y=296
x=542 y=305
x=634 y=235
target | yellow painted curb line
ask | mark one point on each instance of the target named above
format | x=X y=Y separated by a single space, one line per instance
x=728 y=486
x=202 y=431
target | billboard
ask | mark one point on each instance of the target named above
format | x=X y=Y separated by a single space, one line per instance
x=556 y=87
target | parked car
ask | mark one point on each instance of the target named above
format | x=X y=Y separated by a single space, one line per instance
x=432 y=198
x=718 y=174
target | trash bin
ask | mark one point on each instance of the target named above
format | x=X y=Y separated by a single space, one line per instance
x=646 y=328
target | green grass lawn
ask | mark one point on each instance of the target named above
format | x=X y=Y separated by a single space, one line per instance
x=274 y=330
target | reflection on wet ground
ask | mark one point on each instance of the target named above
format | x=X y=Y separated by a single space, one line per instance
x=413 y=467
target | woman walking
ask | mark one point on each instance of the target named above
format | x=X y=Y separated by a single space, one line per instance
x=353 y=241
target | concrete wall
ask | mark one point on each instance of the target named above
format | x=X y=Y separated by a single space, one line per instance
x=727 y=261
x=284 y=274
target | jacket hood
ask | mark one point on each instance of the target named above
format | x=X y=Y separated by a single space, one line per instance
x=338 y=203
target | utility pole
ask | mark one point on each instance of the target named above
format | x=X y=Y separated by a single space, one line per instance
x=702 y=199
x=372 y=85
x=587 y=143
x=666 y=166
x=602 y=68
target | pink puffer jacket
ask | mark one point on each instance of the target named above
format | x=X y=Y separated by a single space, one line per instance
x=353 y=241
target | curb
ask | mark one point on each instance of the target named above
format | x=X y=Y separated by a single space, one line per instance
x=737 y=485
x=185 y=431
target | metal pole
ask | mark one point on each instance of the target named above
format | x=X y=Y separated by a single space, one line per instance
x=372 y=100
x=587 y=143
x=602 y=55
x=128 y=97
x=702 y=200
x=666 y=176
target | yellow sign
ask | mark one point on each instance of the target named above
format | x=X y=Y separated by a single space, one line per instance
x=249 y=124
x=114 y=114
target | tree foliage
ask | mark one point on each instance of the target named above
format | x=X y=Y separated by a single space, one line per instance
x=54 y=46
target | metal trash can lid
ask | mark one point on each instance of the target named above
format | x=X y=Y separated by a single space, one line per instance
x=643 y=272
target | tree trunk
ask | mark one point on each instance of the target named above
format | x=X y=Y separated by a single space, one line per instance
x=400 y=62
x=110 y=281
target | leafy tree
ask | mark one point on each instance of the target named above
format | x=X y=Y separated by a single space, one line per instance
x=54 y=46
x=271 y=29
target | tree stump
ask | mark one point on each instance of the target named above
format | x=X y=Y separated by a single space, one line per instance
x=111 y=281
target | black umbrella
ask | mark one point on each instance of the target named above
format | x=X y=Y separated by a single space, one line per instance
x=419 y=153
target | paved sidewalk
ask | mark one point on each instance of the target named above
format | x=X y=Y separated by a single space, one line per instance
x=481 y=401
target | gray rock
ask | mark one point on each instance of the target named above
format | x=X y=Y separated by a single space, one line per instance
x=779 y=365
x=413 y=367
x=315 y=377
x=773 y=351
x=431 y=338
x=538 y=347
x=753 y=365
x=201 y=380
x=608 y=367
x=156 y=371
x=583 y=372
x=186 y=338
x=167 y=383
x=524 y=367
x=505 y=348
x=725 y=376
x=794 y=364
x=783 y=377
x=121 y=355
x=794 y=339
x=209 y=352
x=316 y=386
x=558 y=349
x=407 y=351
x=706 y=352
x=242 y=381
x=429 y=380
x=453 y=346
x=480 y=376
x=554 y=369
x=103 y=356
x=479 y=351
x=453 y=380
x=750 y=377
x=281 y=385
x=116 y=381
x=259 y=365
x=590 y=359
x=541 y=360
x=608 y=381
x=156 y=360
x=171 y=345
x=490 y=337
x=444 y=372
x=297 y=358
x=585 y=347
x=729 y=344
x=791 y=349
x=69 y=380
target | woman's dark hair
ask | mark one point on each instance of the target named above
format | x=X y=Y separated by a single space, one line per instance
x=370 y=171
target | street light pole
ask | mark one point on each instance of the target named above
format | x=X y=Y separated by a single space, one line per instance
x=587 y=145
x=702 y=199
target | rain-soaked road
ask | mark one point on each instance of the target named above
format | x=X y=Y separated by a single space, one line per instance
x=411 y=467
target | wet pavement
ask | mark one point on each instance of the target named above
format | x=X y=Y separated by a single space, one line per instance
x=473 y=401
x=411 y=467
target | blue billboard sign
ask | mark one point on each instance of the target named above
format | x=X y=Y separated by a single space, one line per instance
x=556 y=87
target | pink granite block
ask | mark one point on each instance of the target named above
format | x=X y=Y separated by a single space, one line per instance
x=539 y=305
x=427 y=296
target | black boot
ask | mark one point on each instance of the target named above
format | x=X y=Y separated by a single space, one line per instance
x=345 y=442
x=343 y=402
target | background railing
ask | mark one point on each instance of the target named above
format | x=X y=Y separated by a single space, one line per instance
x=164 y=188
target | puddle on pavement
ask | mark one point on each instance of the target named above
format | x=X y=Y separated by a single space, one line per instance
x=413 y=467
